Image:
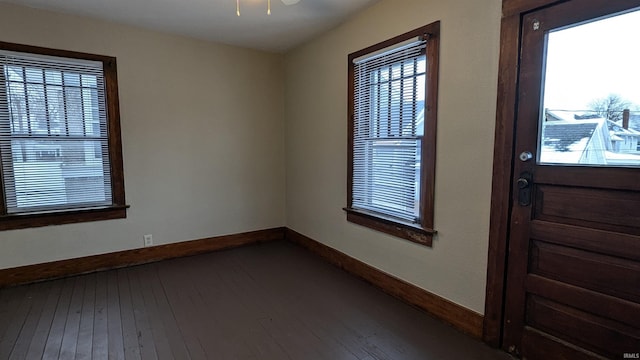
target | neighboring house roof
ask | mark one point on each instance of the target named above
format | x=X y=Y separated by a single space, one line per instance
x=617 y=129
x=565 y=142
x=568 y=115
x=573 y=138
x=566 y=136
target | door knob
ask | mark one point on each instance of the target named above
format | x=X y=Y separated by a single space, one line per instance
x=523 y=183
x=524 y=189
x=525 y=156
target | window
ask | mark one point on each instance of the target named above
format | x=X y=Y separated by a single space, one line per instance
x=60 y=147
x=585 y=119
x=392 y=131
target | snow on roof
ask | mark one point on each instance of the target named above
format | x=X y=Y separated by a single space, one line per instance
x=567 y=136
x=572 y=116
x=616 y=128
x=572 y=155
x=565 y=141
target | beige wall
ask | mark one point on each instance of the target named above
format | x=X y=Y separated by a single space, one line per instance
x=202 y=129
x=316 y=138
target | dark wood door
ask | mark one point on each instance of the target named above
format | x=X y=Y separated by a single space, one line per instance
x=573 y=278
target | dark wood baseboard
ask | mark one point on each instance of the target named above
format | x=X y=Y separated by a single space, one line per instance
x=463 y=319
x=63 y=268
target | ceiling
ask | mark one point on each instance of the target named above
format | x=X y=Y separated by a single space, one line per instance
x=216 y=20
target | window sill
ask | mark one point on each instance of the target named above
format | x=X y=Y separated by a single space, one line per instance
x=391 y=226
x=31 y=220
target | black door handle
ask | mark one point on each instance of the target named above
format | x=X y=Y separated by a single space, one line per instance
x=524 y=189
x=523 y=183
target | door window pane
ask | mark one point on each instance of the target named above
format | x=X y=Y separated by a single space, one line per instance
x=590 y=113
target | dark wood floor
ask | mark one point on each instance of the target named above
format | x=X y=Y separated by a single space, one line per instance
x=269 y=301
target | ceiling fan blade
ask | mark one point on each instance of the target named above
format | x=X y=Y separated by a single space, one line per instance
x=290 y=2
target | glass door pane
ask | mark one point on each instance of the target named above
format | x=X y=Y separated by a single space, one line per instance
x=590 y=113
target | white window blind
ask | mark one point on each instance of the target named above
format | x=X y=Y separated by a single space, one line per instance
x=53 y=133
x=389 y=102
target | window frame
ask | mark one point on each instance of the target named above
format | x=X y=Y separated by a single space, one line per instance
x=118 y=207
x=423 y=231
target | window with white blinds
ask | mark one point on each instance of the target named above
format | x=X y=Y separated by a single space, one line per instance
x=54 y=134
x=388 y=128
x=392 y=135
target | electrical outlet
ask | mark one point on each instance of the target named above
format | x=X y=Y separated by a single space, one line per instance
x=148 y=240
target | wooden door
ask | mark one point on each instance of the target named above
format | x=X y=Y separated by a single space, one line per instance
x=573 y=267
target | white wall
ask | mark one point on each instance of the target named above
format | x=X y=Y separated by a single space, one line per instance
x=202 y=130
x=316 y=138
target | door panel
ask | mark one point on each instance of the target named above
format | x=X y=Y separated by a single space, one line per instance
x=573 y=270
x=612 y=178
x=591 y=332
x=604 y=242
x=605 y=274
x=625 y=312
x=594 y=208
x=538 y=345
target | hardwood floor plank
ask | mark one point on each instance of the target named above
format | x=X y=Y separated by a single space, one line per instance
x=84 y=346
x=114 y=318
x=21 y=345
x=187 y=314
x=72 y=327
x=56 y=331
x=39 y=337
x=172 y=330
x=129 y=334
x=9 y=308
x=220 y=337
x=143 y=326
x=100 y=338
x=161 y=341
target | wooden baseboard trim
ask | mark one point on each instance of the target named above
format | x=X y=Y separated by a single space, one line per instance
x=63 y=268
x=463 y=319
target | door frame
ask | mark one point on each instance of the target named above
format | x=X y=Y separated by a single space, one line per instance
x=503 y=161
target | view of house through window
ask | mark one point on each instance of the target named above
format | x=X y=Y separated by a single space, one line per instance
x=54 y=134
x=591 y=110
